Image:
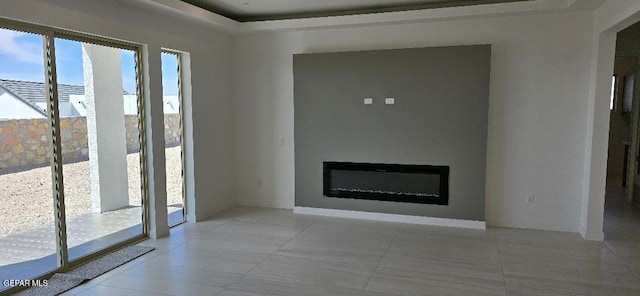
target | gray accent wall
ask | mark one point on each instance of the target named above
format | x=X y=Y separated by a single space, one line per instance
x=439 y=118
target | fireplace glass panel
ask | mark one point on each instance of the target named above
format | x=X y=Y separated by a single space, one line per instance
x=389 y=182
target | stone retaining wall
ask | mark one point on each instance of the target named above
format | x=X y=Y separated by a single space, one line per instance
x=25 y=142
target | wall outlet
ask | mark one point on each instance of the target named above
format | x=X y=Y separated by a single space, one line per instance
x=368 y=101
x=530 y=199
x=390 y=101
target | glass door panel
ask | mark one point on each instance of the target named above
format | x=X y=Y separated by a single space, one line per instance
x=100 y=145
x=27 y=231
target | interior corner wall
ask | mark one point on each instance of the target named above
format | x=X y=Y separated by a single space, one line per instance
x=538 y=107
x=210 y=79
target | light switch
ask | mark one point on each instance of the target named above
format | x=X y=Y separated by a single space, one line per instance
x=390 y=101
x=368 y=101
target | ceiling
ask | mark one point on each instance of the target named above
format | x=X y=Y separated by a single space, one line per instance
x=258 y=10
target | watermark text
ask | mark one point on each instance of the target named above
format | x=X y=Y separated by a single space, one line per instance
x=25 y=283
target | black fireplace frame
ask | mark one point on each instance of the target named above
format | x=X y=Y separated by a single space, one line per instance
x=442 y=171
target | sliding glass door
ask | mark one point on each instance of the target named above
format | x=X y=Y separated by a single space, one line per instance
x=72 y=172
x=99 y=129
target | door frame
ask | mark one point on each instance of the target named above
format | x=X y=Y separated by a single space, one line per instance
x=632 y=161
x=602 y=60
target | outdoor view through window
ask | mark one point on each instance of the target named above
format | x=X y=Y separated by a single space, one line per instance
x=90 y=169
x=27 y=233
x=173 y=137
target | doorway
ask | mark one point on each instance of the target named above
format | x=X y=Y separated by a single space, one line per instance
x=620 y=122
x=621 y=213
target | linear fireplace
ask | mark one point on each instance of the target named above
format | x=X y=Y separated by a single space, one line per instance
x=423 y=184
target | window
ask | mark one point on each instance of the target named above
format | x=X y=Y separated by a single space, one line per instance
x=173 y=137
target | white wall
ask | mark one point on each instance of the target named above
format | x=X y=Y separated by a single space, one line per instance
x=12 y=108
x=156 y=29
x=537 y=108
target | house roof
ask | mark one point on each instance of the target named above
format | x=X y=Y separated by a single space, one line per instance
x=36 y=92
x=32 y=93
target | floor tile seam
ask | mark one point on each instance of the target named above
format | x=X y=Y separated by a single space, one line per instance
x=187 y=240
x=478 y=260
x=99 y=280
x=222 y=286
x=149 y=256
x=504 y=277
x=451 y=262
x=169 y=248
x=279 y=236
x=246 y=273
x=497 y=270
x=291 y=239
x=273 y=254
x=306 y=282
x=620 y=258
x=381 y=258
x=207 y=231
x=432 y=276
x=183 y=267
x=212 y=229
x=164 y=265
x=84 y=288
x=333 y=247
x=129 y=289
x=443 y=240
x=269 y=255
x=323 y=260
x=177 y=244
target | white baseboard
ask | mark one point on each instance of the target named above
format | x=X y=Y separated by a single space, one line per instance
x=473 y=224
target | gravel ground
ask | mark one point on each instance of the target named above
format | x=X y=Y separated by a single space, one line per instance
x=26 y=199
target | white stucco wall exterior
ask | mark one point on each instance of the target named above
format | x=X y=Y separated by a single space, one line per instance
x=13 y=108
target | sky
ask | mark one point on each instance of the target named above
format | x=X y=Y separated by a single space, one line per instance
x=21 y=58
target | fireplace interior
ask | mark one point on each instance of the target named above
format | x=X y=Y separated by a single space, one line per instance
x=424 y=184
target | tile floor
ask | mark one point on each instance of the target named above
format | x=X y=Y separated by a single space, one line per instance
x=32 y=252
x=250 y=251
